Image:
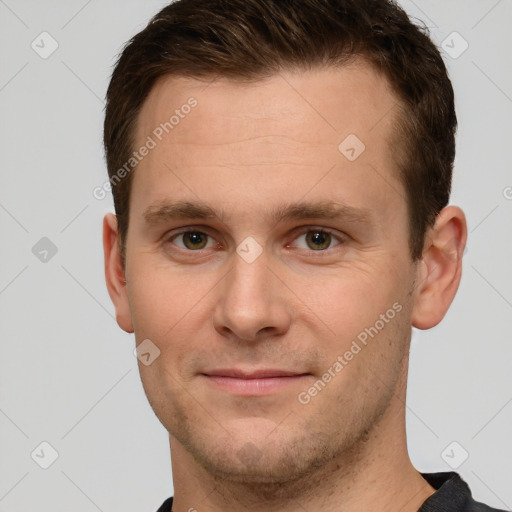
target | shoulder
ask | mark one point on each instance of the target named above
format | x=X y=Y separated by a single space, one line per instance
x=452 y=495
x=476 y=506
x=166 y=506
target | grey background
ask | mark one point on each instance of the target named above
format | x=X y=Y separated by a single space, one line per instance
x=67 y=372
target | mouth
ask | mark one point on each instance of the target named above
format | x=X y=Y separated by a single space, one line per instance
x=254 y=383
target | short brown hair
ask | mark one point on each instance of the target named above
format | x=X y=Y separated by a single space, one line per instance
x=254 y=39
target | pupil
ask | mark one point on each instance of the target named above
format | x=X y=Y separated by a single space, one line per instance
x=195 y=239
x=320 y=238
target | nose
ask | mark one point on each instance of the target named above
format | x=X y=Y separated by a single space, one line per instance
x=252 y=302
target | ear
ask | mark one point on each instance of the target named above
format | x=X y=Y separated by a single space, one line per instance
x=115 y=274
x=440 y=268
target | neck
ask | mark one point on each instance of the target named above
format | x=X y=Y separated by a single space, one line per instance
x=375 y=473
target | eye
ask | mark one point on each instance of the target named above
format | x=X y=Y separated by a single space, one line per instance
x=317 y=240
x=192 y=240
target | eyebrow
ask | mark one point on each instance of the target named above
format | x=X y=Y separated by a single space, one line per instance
x=166 y=211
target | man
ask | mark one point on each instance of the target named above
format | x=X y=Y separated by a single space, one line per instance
x=281 y=172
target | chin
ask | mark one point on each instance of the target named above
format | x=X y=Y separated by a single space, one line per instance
x=286 y=458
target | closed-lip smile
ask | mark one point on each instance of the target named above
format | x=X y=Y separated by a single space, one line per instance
x=253 y=382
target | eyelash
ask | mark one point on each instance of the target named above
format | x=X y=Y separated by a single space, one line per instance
x=318 y=252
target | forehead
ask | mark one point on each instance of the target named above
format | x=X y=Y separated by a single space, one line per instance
x=267 y=136
x=333 y=100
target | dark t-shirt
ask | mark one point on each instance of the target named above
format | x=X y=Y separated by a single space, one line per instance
x=452 y=495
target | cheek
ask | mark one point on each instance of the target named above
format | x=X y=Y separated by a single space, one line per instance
x=164 y=299
x=346 y=301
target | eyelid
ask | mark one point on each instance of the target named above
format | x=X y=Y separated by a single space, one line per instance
x=307 y=229
x=299 y=231
x=170 y=236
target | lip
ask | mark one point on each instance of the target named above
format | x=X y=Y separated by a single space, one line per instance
x=254 y=374
x=253 y=383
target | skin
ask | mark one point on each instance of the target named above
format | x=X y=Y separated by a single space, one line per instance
x=246 y=150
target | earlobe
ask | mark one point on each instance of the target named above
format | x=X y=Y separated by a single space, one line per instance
x=440 y=270
x=115 y=273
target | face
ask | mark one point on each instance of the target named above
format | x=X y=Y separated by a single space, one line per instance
x=270 y=266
